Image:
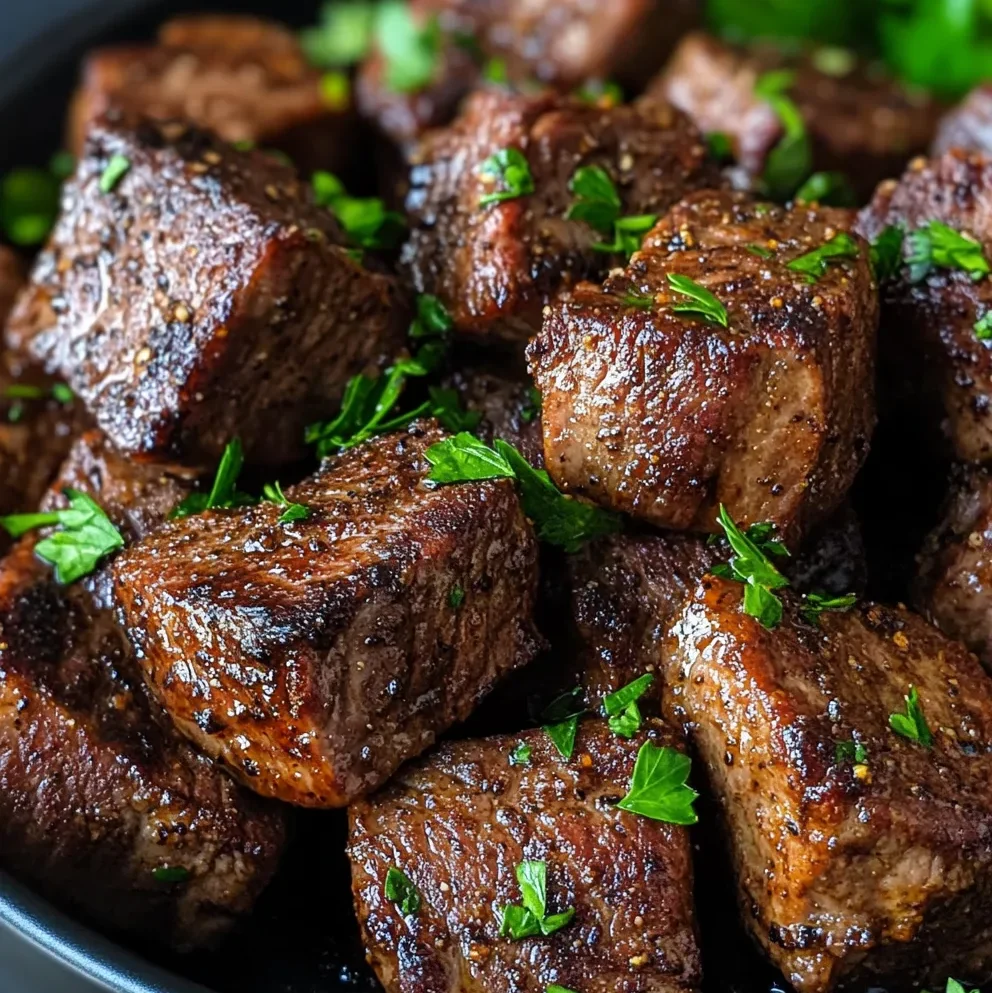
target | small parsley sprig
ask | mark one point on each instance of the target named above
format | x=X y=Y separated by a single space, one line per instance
x=521 y=754
x=343 y=35
x=117 y=167
x=937 y=246
x=815 y=604
x=412 y=51
x=621 y=707
x=29 y=200
x=814 y=264
x=400 y=890
x=791 y=160
x=224 y=492
x=559 y=519
x=828 y=188
x=598 y=204
x=850 y=751
x=170 y=874
x=703 y=303
x=85 y=536
x=530 y=918
x=658 y=786
x=560 y=720
x=751 y=566
x=366 y=222
x=886 y=253
x=509 y=168
x=912 y=724
x=291 y=511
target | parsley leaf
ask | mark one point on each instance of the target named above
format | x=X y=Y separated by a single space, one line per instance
x=560 y=720
x=760 y=251
x=886 y=253
x=496 y=72
x=642 y=301
x=658 y=787
x=597 y=202
x=953 y=986
x=456 y=597
x=912 y=724
x=720 y=146
x=29 y=202
x=292 y=511
x=815 y=604
x=983 y=326
x=790 y=161
x=814 y=264
x=559 y=519
x=628 y=234
x=850 y=751
x=510 y=168
x=411 y=51
x=366 y=222
x=705 y=305
x=114 y=171
x=401 y=890
x=224 y=491
x=621 y=706
x=532 y=919
x=343 y=35
x=86 y=536
x=830 y=188
x=750 y=565
x=532 y=407
x=600 y=93
x=170 y=874
x=555 y=988
x=521 y=754
x=937 y=246
x=335 y=90
x=432 y=320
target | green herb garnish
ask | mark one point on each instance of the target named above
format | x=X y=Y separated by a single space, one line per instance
x=343 y=35
x=983 y=326
x=790 y=161
x=401 y=891
x=291 y=511
x=760 y=251
x=829 y=188
x=597 y=201
x=912 y=724
x=720 y=146
x=411 y=51
x=704 y=304
x=937 y=246
x=456 y=597
x=114 y=172
x=621 y=707
x=432 y=320
x=532 y=407
x=170 y=874
x=601 y=93
x=224 y=491
x=85 y=536
x=815 y=604
x=560 y=720
x=555 y=988
x=751 y=566
x=658 y=786
x=510 y=168
x=495 y=72
x=628 y=234
x=366 y=222
x=532 y=919
x=521 y=754
x=335 y=90
x=850 y=751
x=886 y=253
x=814 y=264
x=642 y=301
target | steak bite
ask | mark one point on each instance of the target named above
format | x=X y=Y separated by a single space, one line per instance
x=954 y=585
x=12 y=279
x=192 y=292
x=929 y=345
x=860 y=121
x=315 y=657
x=496 y=264
x=665 y=414
x=104 y=806
x=457 y=822
x=862 y=857
x=243 y=78
x=968 y=125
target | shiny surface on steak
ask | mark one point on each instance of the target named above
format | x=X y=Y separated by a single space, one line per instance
x=968 y=125
x=927 y=332
x=868 y=874
x=243 y=78
x=203 y=297
x=457 y=823
x=315 y=657
x=664 y=416
x=100 y=794
x=495 y=267
x=861 y=122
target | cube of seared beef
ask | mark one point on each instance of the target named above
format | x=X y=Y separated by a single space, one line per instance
x=316 y=656
x=930 y=345
x=860 y=121
x=664 y=414
x=12 y=279
x=862 y=855
x=954 y=585
x=457 y=822
x=192 y=292
x=550 y=41
x=968 y=125
x=243 y=78
x=495 y=266
x=104 y=807
x=626 y=589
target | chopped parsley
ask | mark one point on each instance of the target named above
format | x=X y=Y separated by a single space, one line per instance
x=521 y=754
x=814 y=264
x=495 y=72
x=335 y=90
x=114 y=171
x=597 y=201
x=600 y=93
x=751 y=566
x=886 y=253
x=642 y=301
x=912 y=724
x=343 y=35
x=559 y=519
x=170 y=874
x=703 y=303
x=953 y=986
x=760 y=251
x=937 y=246
x=532 y=407
x=411 y=51
x=720 y=146
x=366 y=222
x=658 y=787
x=530 y=918
x=291 y=511
x=555 y=988
x=224 y=492
x=628 y=234
x=401 y=891
x=560 y=721
x=829 y=188
x=456 y=597
x=19 y=392
x=621 y=707
x=983 y=326
x=432 y=320
x=29 y=201
x=790 y=161
x=85 y=536
x=510 y=168
x=815 y=604
x=850 y=751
